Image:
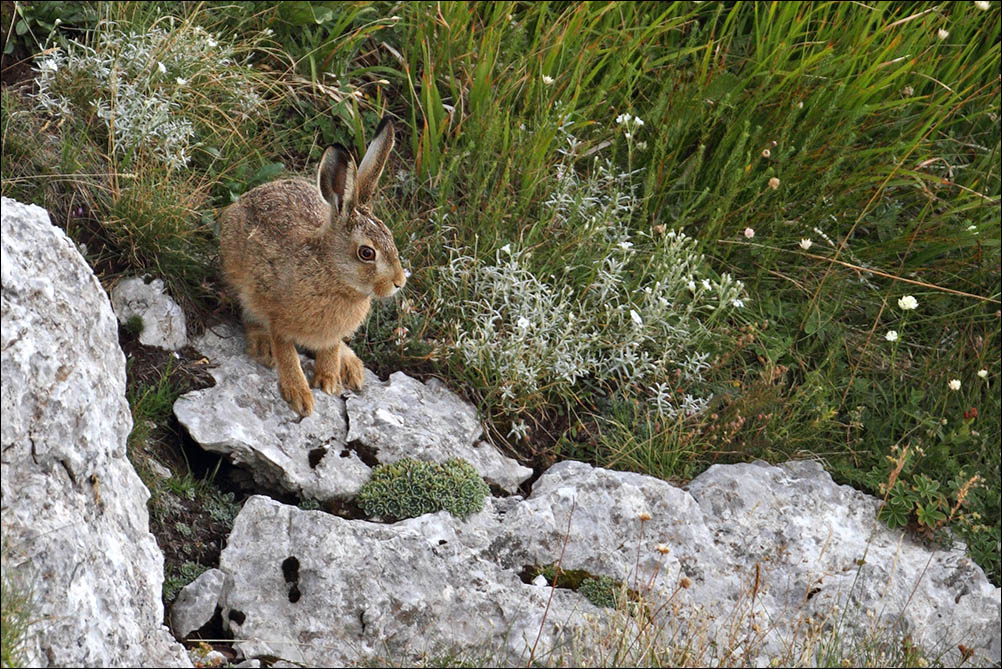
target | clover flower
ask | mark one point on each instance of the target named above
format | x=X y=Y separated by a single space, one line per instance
x=749 y=233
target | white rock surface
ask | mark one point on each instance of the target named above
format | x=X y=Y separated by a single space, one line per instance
x=752 y=565
x=321 y=590
x=404 y=418
x=196 y=603
x=317 y=457
x=75 y=524
x=163 y=320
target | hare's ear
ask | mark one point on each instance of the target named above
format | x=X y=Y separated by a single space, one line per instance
x=336 y=181
x=375 y=157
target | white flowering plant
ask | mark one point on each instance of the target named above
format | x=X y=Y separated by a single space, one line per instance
x=630 y=309
x=151 y=90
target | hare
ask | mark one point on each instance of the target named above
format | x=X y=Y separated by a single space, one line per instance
x=305 y=261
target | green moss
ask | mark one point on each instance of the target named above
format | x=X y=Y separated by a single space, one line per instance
x=601 y=591
x=409 y=488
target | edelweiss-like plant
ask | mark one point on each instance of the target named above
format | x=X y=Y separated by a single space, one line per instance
x=643 y=320
x=145 y=87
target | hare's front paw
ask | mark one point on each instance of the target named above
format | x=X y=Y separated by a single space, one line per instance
x=352 y=369
x=259 y=347
x=325 y=374
x=298 y=395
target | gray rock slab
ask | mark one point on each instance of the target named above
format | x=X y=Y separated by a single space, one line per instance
x=75 y=524
x=244 y=416
x=820 y=552
x=320 y=590
x=404 y=418
x=196 y=603
x=752 y=565
x=164 y=324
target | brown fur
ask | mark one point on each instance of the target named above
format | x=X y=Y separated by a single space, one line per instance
x=292 y=258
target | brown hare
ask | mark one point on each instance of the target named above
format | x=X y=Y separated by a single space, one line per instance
x=305 y=260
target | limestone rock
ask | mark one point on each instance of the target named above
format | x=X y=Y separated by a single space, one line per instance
x=163 y=321
x=752 y=565
x=321 y=456
x=75 y=524
x=196 y=603
x=820 y=551
x=404 y=418
x=326 y=591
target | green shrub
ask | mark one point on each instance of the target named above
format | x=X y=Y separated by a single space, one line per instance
x=409 y=488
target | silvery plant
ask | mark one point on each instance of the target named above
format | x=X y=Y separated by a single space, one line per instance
x=644 y=318
x=144 y=86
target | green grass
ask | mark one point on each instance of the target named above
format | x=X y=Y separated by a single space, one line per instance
x=852 y=126
x=18 y=614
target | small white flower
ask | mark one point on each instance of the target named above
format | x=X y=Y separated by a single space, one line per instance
x=954 y=384
x=707 y=285
x=623 y=118
x=983 y=373
x=749 y=233
x=907 y=303
x=908 y=91
x=774 y=183
x=182 y=82
x=637 y=121
x=523 y=323
x=739 y=303
x=162 y=68
x=636 y=317
x=506 y=249
x=806 y=244
x=626 y=246
x=942 y=34
x=983 y=5
x=628 y=135
x=892 y=335
x=642 y=145
x=800 y=105
x=691 y=285
x=547 y=80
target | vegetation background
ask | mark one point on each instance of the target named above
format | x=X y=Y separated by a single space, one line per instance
x=650 y=236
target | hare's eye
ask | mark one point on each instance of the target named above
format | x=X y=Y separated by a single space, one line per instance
x=366 y=253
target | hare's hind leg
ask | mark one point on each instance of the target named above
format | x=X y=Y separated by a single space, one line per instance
x=258 y=341
x=327 y=372
x=291 y=380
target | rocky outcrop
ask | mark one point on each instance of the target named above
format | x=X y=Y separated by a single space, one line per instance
x=163 y=322
x=329 y=454
x=75 y=525
x=196 y=603
x=754 y=564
